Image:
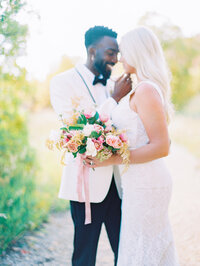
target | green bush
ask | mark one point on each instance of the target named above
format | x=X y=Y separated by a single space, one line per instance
x=24 y=199
x=18 y=169
x=183 y=56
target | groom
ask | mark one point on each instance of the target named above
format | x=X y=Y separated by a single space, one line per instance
x=91 y=84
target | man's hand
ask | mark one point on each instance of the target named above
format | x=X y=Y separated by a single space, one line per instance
x=123 y=86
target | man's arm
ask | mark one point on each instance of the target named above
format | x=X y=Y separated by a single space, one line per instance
x=61 y=95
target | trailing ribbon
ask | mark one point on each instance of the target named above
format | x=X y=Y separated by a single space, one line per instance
x=83 y=180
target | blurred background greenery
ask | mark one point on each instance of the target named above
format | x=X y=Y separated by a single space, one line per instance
x=29 y=173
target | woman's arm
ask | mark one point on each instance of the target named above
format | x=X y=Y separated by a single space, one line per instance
x=147 y=103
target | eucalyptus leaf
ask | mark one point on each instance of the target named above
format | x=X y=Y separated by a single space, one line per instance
x=84 y=119
x=64 y=128
x=93 y=119
x=94 y=134
x=76 y=127
x=82 y=150
x=74 y=154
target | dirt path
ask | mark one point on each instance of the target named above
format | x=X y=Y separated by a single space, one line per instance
x=52 y=245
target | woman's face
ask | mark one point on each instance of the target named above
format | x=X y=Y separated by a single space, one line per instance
x=128 y=69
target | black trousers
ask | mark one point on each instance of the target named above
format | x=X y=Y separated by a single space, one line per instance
x=86 y=236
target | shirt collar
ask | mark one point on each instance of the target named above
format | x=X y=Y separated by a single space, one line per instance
x=85 y=72
x=89 y=77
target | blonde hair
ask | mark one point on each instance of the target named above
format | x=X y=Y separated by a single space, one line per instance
x=142 y=50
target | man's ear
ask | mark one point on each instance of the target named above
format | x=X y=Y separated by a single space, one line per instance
x=92 y=51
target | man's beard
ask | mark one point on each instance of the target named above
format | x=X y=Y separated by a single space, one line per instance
x=103 y=69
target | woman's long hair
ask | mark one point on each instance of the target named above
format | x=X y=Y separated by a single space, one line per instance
x=142 y=50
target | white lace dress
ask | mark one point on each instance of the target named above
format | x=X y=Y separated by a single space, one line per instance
x=145 y=238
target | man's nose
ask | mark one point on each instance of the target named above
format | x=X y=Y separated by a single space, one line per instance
x=115 y=59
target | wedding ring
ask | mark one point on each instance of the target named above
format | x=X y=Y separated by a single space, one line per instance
x=91 y=163
x=84 y=162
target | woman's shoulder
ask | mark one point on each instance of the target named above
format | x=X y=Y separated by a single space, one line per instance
x=148 y=90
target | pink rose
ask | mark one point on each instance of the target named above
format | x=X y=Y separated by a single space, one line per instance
x=98 y=128
x=101 y=139
x=123 y=137
x=88 y=114
x=114 y=141
x=98 y=145
x=104 y=118
x=108 y=128
x=66 y=139
x=72 y=146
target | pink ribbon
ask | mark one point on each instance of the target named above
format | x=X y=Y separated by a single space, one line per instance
x=83 y=180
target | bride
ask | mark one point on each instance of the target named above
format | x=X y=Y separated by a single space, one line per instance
x=145 y=238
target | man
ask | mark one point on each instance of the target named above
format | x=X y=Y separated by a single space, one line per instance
x=91 y=83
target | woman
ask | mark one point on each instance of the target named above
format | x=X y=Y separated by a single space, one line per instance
x=146 y=238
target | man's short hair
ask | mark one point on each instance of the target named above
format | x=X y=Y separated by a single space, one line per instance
x=93 y=35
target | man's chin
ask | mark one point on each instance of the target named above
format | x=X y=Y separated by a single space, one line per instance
x=107 y=73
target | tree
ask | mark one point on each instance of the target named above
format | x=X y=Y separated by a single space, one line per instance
x=12 y=34
x=182 y=55
x=18 y=203
x=41 y=98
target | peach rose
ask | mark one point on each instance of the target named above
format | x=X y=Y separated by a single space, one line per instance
x=114 y=141
x=72 y=146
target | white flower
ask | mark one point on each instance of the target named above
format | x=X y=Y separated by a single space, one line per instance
x=90 y=149
x=87 y=130
x=3 y=215
x=55 y=136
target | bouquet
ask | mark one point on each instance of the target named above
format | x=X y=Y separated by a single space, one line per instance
x=92 y=134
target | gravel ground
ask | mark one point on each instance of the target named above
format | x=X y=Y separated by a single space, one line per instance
x=52 y=244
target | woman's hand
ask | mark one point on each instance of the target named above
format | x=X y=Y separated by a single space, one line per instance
x=93 y=162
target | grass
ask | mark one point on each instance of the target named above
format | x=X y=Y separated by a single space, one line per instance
x=185 y=130
x=185 y=126
x=28 y=185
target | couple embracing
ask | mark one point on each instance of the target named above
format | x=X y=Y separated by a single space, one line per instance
x=133 y=205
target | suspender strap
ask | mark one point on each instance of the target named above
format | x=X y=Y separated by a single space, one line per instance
x=86 y=85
